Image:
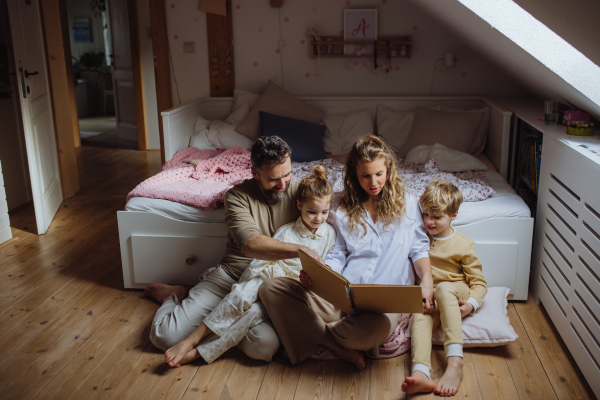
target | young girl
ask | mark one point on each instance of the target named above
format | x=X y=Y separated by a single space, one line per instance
x=239 y=310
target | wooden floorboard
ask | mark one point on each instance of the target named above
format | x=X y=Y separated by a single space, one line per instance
x=69 y=330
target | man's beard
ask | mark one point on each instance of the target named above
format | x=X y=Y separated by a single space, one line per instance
x=273 y=196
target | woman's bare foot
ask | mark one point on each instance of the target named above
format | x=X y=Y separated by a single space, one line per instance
x=175 y=355
x=352 y=356
x=160 y=292
x=449 y=383
x=418 y=382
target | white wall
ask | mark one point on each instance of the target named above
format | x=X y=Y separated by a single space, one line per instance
x=258 y=28
x=148 y=80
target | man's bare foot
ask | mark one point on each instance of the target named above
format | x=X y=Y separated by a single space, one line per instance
x=352 y=356
x=418 y=382
x=177 y=353
x=160 y=292
x=449 y=383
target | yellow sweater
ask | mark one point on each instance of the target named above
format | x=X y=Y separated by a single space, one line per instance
x=454 y=259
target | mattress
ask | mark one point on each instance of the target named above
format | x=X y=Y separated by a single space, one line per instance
x=505 y=203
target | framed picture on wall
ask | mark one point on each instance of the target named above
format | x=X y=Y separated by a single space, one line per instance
x=360 y=25
x=82 y=32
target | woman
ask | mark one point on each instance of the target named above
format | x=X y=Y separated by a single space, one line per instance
x=379 y=232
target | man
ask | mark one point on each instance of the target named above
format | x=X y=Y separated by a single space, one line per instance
x=254 y=210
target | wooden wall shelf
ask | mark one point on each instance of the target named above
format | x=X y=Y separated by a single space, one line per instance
x=337 y=44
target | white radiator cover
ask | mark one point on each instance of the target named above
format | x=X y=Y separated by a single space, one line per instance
x=565 y=273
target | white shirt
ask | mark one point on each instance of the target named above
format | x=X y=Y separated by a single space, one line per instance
x=383 y=255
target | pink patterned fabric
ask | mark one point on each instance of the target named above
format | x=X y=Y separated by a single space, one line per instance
x=202 y=185
x=396 y=345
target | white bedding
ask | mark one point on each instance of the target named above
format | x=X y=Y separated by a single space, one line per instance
x=505 y=203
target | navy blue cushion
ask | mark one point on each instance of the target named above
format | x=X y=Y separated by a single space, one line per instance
x=305 y=138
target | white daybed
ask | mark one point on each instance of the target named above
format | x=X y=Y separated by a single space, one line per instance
x=173 y=243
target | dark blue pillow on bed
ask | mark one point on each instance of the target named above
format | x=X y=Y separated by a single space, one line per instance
x=305 y=138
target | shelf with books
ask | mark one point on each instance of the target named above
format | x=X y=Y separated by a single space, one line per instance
x=528 y=151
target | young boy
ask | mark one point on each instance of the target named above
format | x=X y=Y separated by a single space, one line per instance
x=459 y=289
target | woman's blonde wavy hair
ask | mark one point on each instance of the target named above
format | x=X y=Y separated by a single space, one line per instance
x=390 y=201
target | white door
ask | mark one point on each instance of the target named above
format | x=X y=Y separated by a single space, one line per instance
x=122 y=69
x=30 y=57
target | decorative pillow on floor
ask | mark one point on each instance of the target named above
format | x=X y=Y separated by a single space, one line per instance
x=489 y=326
x=343 y=130
x=277 y=101
x=448 y=160
x=453 y=130
x=305 y=138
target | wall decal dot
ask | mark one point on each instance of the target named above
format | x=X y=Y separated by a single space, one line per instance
x=302 y=41
x=463 y=74
x=286 y=19
x=383 y=1
x=260 y=29
x=237 y=6
x=172 y=5
x=397 y=68
x=277 y=51
x=347 y=2
x=307 y=75
x=255 y=64
x=355 y=63
x=176 y=37
x=414 y=27
x=315 y=10
x=341 y=33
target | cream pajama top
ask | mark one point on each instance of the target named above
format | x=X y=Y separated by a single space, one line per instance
x=239 y=310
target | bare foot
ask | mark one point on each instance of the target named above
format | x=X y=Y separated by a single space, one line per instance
x=175 y=354
x=352 y=356
x=418 y=382
x=190 y=356
x=160 y=292
x=449 y=383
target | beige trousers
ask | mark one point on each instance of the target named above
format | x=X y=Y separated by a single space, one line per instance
x=305 y=321
x=174 y=322
x=447 y=313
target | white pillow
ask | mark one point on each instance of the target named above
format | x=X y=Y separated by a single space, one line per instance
x=238 y=115
x=211 y=135
x=448 y=160
x=343 y=130
x=394 y=125
x=489 y=326
x=241 y=97
x=478 y=143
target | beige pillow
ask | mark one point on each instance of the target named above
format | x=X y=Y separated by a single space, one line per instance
x=277 y=101
x=453 y=130
x=394 y=125
x=343 y=130
x=238 y=115
x=241 y=97
x=480 y=137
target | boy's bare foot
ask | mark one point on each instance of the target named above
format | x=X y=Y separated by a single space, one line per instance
x=449 y=383
x=177 y=353
x=189 y=357
x=160 y=292
x=418 y=382
x=352 y=356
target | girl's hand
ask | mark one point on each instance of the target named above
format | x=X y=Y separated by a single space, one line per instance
x=304 y=279
x=465 y=308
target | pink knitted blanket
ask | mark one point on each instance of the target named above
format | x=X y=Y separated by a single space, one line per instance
x=396 y=344
x=202 y=185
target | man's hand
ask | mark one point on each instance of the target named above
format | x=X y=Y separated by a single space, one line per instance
x=312 y=253
x=465 y=308
x=304 y=279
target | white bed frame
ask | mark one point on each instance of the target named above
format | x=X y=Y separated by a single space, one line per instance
x=160 y=249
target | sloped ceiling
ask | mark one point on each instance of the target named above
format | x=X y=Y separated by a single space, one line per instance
x=544 y=62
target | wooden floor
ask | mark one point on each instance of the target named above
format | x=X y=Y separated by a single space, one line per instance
x=68 y=329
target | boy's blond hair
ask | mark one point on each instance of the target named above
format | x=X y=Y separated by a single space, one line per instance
x=441 y=197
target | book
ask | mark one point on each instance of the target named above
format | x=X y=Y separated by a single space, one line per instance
x=356 y=298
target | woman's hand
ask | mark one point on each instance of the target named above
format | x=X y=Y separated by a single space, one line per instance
x=304 y=279
x=465 y=308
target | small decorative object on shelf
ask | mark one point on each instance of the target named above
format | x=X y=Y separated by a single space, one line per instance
x=580 y=128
